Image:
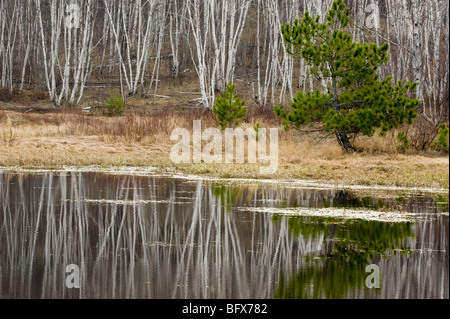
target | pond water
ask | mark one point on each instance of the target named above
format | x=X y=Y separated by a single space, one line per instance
x=160 y=237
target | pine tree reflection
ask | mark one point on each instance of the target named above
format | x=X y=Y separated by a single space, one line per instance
x=153 y=237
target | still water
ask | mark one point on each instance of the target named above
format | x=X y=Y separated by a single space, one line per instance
x=160 y=237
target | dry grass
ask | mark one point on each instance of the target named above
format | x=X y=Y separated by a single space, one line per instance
x=70 y=138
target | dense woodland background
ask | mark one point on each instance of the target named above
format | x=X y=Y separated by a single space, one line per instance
x=138 y=45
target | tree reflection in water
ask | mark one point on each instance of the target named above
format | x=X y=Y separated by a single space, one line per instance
x=349 y=246
x=154 y=237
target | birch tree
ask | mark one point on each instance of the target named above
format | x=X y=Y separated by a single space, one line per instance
x=137 y=29
x=177 y=27
x=75 y=65
x=219 y=26
x=129 y=40
x=418 y=36
x=10 y=13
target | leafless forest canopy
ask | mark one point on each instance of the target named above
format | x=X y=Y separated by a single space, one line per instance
x=140 y=43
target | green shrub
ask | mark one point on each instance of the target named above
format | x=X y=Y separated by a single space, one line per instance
x=441 y=142
x=403 y=142
x=229 y=108
x=115 y=105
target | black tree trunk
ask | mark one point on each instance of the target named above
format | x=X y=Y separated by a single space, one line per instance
x=341 y=135
x=344 y=141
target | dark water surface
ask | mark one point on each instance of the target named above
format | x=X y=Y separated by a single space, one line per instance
x=157 y=237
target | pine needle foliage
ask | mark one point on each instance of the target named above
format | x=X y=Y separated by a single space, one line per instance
x=229 y=108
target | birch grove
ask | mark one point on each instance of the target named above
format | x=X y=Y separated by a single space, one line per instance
x=140 y=43
x=132 y=24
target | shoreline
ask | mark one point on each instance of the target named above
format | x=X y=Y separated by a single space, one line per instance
x=55 y=141
x=157 y=172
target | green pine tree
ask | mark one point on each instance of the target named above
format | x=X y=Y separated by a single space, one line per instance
x=229 y=108
x=441 y=142
x=357 y=102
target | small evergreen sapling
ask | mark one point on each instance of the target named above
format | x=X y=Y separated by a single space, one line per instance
x=403 y=141
x=257 y=129
x=442 y=141
x=229 y=108
x=115 y=105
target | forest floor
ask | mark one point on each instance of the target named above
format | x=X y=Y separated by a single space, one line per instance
x=43 y=137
